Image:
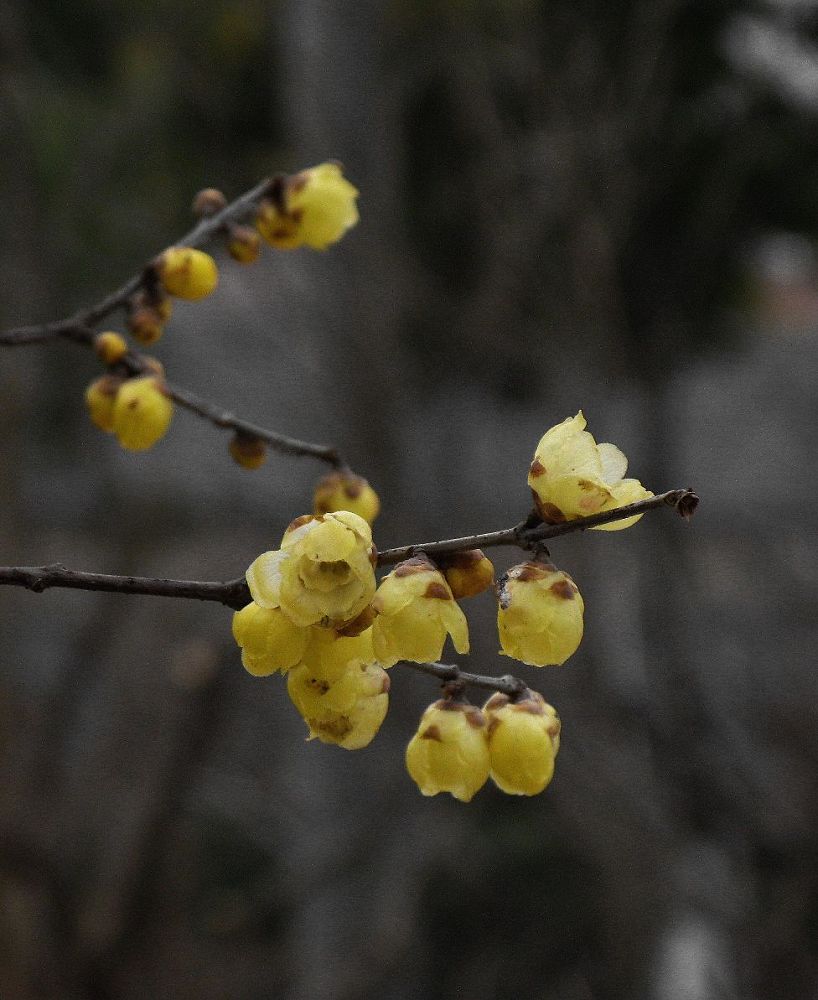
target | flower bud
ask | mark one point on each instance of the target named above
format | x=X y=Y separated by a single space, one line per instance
x=248 y=452
x=416 y=611
x=110 y=347
x=187 y=273
x=142 y=413
x=346 y=491
x=269 y=641
x=243 y=244
x=467 y=573
x=99 y=399
x=208 y=202
x=315 y=208
x=540 y=614
x=449 y=752
x=524 y=737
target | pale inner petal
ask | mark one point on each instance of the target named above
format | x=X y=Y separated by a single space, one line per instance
x=614 y=463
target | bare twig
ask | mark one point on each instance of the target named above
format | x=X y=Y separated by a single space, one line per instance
x=233 y=593
x=527 y=537
x=226 y=419
x=449 y=673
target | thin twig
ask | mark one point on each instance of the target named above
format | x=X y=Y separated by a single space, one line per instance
x=233 y=593
x=507 y=684
x=204 y=230
x=226 y=419
x=526 y=537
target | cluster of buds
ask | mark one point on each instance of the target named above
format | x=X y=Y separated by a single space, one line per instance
x=136 y=409
x=458 y=746
x=312 y=208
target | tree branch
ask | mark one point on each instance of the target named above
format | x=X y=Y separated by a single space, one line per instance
x=235 y=593
x=526 y=536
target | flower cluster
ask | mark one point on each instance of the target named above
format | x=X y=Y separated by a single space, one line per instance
x=137 y=411
x=312 y=208
x=319 y=616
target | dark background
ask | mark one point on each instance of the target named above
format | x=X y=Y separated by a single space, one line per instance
x=588 y=204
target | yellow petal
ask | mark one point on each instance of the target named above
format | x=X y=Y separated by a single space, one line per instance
x=625 y=492
x=264 y=578
x=614 y=463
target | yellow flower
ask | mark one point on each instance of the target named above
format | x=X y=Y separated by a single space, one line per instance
x=524 y=737
x=316 y=207
x=110 y=347
x=142 y=413
x=540 y=614
x=100 y=397
x=339 y=689
x=468 y=573
x=416 y=611
x=269 y=641
x=323 y=572
x=346 y=491
x=449 y=752
x=187 y=273
x=572 y=476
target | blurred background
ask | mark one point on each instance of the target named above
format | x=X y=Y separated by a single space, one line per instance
x=607 y=206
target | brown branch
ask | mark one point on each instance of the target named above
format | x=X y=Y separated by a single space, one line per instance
x=450 y=674
x=233 y=593
x=526 y=536
x=76 y=326
x=226 y=419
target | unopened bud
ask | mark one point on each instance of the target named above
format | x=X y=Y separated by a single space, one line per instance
x=467 y=573
x=100 y=397
x=346 y=491
x=110 y=347
x=208 y=202
x=248 y=452
x=187 y=273
x=244 y=244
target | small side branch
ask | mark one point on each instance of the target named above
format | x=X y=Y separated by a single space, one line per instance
x=229 y=421
x=524 y=536
x=451 y=674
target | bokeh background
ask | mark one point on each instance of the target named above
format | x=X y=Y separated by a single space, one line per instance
x=590 y=204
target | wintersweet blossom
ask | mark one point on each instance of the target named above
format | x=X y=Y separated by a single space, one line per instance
x=523 y=737
x=539 y=616
x=572 y=476
x=415 y=612
x=449 y=752
x=322 y=574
